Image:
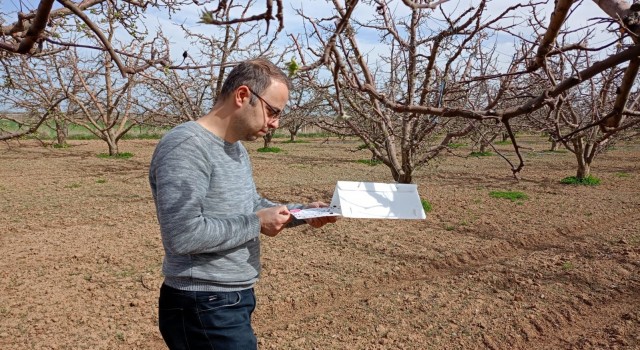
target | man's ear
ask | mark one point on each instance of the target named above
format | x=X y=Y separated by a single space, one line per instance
x=241 y=94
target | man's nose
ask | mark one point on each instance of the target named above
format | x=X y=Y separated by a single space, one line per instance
x=273 y=123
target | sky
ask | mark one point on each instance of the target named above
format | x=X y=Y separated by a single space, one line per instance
x=369 y=40
x=189 y=16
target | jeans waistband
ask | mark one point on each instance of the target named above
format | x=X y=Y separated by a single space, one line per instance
x=194 y=285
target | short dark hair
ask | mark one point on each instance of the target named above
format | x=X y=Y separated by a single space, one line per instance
x=256 y=74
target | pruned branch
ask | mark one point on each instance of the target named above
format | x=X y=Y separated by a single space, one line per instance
x=37 y=27
x=557 y=20
x=616 y=116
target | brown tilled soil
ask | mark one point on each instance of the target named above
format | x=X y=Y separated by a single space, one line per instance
x=80 y=253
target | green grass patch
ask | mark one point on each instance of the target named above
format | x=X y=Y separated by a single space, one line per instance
x=455 y=145
x=623 y=174
x=510 y=195
x=147 y=132
x=586 y=181
x=295 y=141
x=122 y=155
x=61 y=146
x=370 y=162
x=317 y=134
x=127 y=272
x=73 y=185
x=82 y=137
x=558 y=151
x=567 y=265
x=480 y=154
x=426 y=205
x=101 y=181
x=269 y=150
x=78 y=132
x=143 y=136
x=120 y=336
x=9 y=125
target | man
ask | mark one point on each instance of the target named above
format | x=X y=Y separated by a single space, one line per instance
x=211 y=215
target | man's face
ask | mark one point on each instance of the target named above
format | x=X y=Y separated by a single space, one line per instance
x=265 y=114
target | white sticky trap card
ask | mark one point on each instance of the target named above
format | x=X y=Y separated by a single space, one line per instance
x=370 y=200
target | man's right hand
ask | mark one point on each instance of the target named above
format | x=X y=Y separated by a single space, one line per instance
x=273 y=220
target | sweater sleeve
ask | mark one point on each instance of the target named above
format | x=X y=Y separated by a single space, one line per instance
x=261 y=202
x=181 y=179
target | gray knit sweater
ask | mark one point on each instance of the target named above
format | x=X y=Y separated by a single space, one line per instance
x=206 y=201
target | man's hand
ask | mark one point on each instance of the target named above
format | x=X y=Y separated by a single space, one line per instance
x=319 y=222
x=273 y=220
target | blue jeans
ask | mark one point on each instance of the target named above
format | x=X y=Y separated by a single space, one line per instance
x=206 y=320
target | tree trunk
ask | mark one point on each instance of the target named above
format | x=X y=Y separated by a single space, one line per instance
x=267 y=139
x=401 y=177
x=292 y=136
x=113 y=148
x=109 y=136
x=584 y=170
x=554 y=144
x=62 y=131
x=405 y=179
x=483 y=146
x=584 y=166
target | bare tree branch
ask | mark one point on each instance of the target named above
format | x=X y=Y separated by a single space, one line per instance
x=423 y=4
x=107 y=44
x=614 y=8
x=37 y=27
x=616 y=117
x=557 y=20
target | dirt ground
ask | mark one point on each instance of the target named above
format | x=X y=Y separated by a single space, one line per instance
x=80 y=253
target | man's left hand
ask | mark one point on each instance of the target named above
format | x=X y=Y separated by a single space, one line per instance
x=321 y=221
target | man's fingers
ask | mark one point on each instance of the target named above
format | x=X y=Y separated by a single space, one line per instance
x=319 y=222
x=283 y=210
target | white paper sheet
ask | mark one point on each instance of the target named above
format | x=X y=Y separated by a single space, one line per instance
x=370 y=200
x=311 y=213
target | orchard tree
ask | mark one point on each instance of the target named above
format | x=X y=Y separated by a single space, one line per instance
x=188 y=90
x=396 y=105
x=105 y=100
x=571 y=122
x=432 y=62
x=306 y=104
x=33 y=91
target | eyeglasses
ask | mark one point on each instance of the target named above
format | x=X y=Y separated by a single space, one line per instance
x=275 y=112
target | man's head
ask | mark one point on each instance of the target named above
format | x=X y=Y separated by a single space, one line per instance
x=257 y=74
x=259 y=91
